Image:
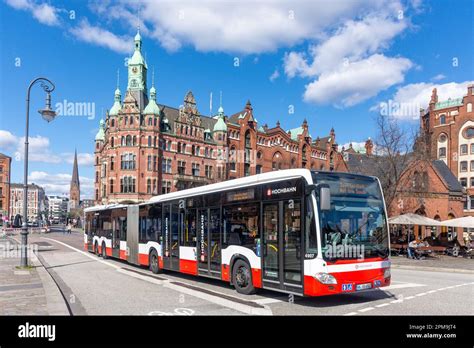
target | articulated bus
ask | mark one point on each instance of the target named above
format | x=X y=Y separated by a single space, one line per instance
x=297 y=231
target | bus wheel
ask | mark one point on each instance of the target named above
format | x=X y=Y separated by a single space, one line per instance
x=104 y=251
x=242 y=278
x=154 y=265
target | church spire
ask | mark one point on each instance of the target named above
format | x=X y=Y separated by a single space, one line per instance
x=75 y=189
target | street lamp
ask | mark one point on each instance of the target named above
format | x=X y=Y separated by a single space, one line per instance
x=48 y=114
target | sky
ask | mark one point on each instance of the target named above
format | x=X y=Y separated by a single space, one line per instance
x=337 y=63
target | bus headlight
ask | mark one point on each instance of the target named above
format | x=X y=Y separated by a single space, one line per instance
x=325 y=278
x=386 y=273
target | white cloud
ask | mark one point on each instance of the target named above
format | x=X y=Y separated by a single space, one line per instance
x=408 y=99
x=358 y=81
x=237 y=26
x=348 y=67
x=44 y=13
x=438 y=77
x=39 y=150
x=274 y=75
x=59 y=184
x=102 y=37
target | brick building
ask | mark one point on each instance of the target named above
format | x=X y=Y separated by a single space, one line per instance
x=5 y=168
x=144 y=148
x=448 y=127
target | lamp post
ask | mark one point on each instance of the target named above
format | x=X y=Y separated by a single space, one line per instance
x=48 y=114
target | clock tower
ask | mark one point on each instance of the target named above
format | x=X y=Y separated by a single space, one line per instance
x=137 y=70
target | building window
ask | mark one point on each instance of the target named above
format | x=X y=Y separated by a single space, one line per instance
x=472 y=166
x=149 y=141
x=96 y=177
x=463 y=182
x=472 y=181
x=134 y=140
x=471 y=201
x=96 y=194
x=128 y=140
x=165 y=187
x=208 y=170
x=148 y=184
x=112 y=123
x=463 y=149
x=166 y=165
x=469 y=107
x=111 y=185
x=442 y=119
x=181 y=167
x=258 y=169
x=442 y=152
x=127 y=161
x=149 y=162
x=472 y=149
x=131 y=120
x=150 y=121
x=196 y=171
x=112 y=163
x=463 y=166
x=127 y=184
x=112 y=142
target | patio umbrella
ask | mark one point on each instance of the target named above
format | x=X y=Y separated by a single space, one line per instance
x=463 y=222
x=413 y=219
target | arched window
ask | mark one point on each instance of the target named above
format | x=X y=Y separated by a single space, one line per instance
x=128 y=140
x=232 y=158
x=150 y=120
x=179 y=147
x=112 y=143
x=276 y=161
x=469 y=107
x=134 y=140
x=131 y=120
x=442 y=119
x=247 y=139
x=149 y=140
x=112 y=123
x=122 y=141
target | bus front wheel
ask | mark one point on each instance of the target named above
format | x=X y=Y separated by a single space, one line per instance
x=154 y=265
x=242 y=278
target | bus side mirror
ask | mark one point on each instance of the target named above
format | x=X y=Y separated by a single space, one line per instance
x=324 y=197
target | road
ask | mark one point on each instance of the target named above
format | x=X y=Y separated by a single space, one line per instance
x=97 y=286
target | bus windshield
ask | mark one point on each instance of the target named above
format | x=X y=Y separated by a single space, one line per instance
x=356 y=225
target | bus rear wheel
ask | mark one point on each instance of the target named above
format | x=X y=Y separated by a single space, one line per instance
x=153 y=259
x=242 y=278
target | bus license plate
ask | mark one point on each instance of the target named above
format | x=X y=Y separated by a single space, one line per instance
x=363 y=286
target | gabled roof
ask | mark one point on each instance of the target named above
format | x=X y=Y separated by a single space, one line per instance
x=447 y=176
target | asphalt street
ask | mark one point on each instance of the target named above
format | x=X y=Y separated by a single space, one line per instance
x=97 y=286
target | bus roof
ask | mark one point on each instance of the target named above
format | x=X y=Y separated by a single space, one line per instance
x=236 y=183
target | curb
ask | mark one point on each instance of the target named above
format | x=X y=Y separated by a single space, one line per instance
x=433 y=269
x=54 y=300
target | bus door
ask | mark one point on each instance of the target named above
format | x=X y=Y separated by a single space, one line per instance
x=282 y=259
x=208 y=242
x=170 y=236
x=116 y=236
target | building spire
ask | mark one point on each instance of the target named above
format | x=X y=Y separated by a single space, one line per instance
x=75 y=171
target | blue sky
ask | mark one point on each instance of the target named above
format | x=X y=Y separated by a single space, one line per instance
x=332 y=62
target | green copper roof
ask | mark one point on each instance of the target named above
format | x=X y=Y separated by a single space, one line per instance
x=137 y=59
x=152 y=107
x=295 y=132
x=448 y=103
x=117 y=103
x=101 y=133
x=261 y=129
x=220 y=125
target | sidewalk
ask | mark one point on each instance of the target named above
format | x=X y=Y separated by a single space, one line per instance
x=29 y=291
x=440 y=263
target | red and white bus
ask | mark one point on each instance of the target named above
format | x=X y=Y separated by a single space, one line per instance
x=296 y=231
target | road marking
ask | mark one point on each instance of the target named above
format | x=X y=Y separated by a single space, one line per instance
x=85 y=253
x=264 y=301
x=431 y=291
x=366 y=309
x=351 y=313
x=383 y=305
x=409 y=297
x=421 y=294
x=401 y=286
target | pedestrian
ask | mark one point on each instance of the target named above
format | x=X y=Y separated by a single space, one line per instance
x=411 y=249
x=69 y=228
